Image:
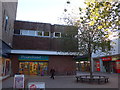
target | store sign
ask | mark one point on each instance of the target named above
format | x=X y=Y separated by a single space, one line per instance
x=36 y=85
x=115 y=58
x=19 y=81
x=98 y=65
x=33 y=57
x=106 y=58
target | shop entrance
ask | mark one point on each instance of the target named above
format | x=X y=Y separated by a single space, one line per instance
x=83 y=66
x=33 y=68
x=109 y=66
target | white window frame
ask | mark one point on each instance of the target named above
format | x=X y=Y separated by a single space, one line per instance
x=38 y=35
x=46 y=36
x=23 y=30
x=33 y=31
x=56 y=36
x=28 y=34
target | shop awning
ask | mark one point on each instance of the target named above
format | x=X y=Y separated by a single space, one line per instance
x=81 y=58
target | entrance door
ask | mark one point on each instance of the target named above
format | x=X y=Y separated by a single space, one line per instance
x=106 y=64
x=33 y=68
x=24 y=68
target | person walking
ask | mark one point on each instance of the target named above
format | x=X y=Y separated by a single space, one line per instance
x=52 y=72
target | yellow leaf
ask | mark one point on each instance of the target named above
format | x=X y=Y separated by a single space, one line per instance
x=97 y=14
x=106 y=29
x=91 y=23
x=99 y=27
x=106 y=36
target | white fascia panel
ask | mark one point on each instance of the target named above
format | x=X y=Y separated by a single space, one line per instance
x=40 y=52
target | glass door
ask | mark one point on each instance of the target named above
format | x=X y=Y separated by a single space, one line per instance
x=24 y=68
x=43 y=68
x=33 y=68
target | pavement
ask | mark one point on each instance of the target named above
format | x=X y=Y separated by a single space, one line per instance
x=66 y=81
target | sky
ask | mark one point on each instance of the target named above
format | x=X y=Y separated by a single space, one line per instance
x=46 y=11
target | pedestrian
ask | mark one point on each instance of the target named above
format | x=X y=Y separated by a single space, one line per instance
x=52 y=72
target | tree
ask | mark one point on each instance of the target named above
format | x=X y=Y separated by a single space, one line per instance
x=96 y=22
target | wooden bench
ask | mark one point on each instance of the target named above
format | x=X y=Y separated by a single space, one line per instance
x=97 y=78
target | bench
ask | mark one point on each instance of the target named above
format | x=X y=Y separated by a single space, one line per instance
x=94 y=78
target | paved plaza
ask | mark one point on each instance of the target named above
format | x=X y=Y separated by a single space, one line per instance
x=65 y=81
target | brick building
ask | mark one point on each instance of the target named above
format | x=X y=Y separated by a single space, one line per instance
x=36 y=46
x=7 y=18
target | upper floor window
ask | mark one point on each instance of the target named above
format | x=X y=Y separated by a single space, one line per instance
x=24 y=32
x=6 y=22
x=27 y=32
x=47 y=34
x=57 y=34
x=34 y=33
x=31 y=33
x=39 y=33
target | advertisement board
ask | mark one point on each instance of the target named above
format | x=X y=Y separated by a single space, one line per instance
x=18 y=81
x=36 y=85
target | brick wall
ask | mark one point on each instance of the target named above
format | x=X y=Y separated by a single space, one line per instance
x=8 y=9
x=62 y=64
x=14 y=64
x=31 y=43
x=39 y=43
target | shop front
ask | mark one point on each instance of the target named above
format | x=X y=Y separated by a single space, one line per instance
x=111 y=64
x=33 y=65
x=5 y=66
x=82 y=64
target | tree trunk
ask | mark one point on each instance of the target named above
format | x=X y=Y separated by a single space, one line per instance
x=89 y=57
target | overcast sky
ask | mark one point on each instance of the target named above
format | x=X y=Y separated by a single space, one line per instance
x=46 y=11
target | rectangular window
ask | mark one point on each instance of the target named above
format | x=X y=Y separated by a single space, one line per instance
x=27 y=32
x=6 y=22
x=39 y=33
x=57 y=34
x=31 y=33
x=47 y=34
x=24 y=32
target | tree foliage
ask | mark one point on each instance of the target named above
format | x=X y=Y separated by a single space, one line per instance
x=100 y=20
x=95 y=24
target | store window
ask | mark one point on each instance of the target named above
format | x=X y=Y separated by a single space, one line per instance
x=6 y=67
x=57 y=34
x=33 y=68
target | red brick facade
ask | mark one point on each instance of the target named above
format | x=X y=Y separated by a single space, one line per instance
x=64 y=65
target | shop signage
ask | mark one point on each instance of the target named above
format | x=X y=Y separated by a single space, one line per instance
x=18 y=81
x=36 y=85
x=106 y=58
x=33 y=57
x=115 y=58
x=98 y=65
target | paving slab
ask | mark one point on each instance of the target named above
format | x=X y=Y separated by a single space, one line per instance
x=65 y=81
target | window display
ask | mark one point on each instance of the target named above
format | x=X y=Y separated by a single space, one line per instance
x=33 y=68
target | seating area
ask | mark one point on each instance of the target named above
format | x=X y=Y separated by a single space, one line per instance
x=95 y=78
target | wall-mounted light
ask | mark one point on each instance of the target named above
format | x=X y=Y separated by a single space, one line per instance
x=77 y=62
